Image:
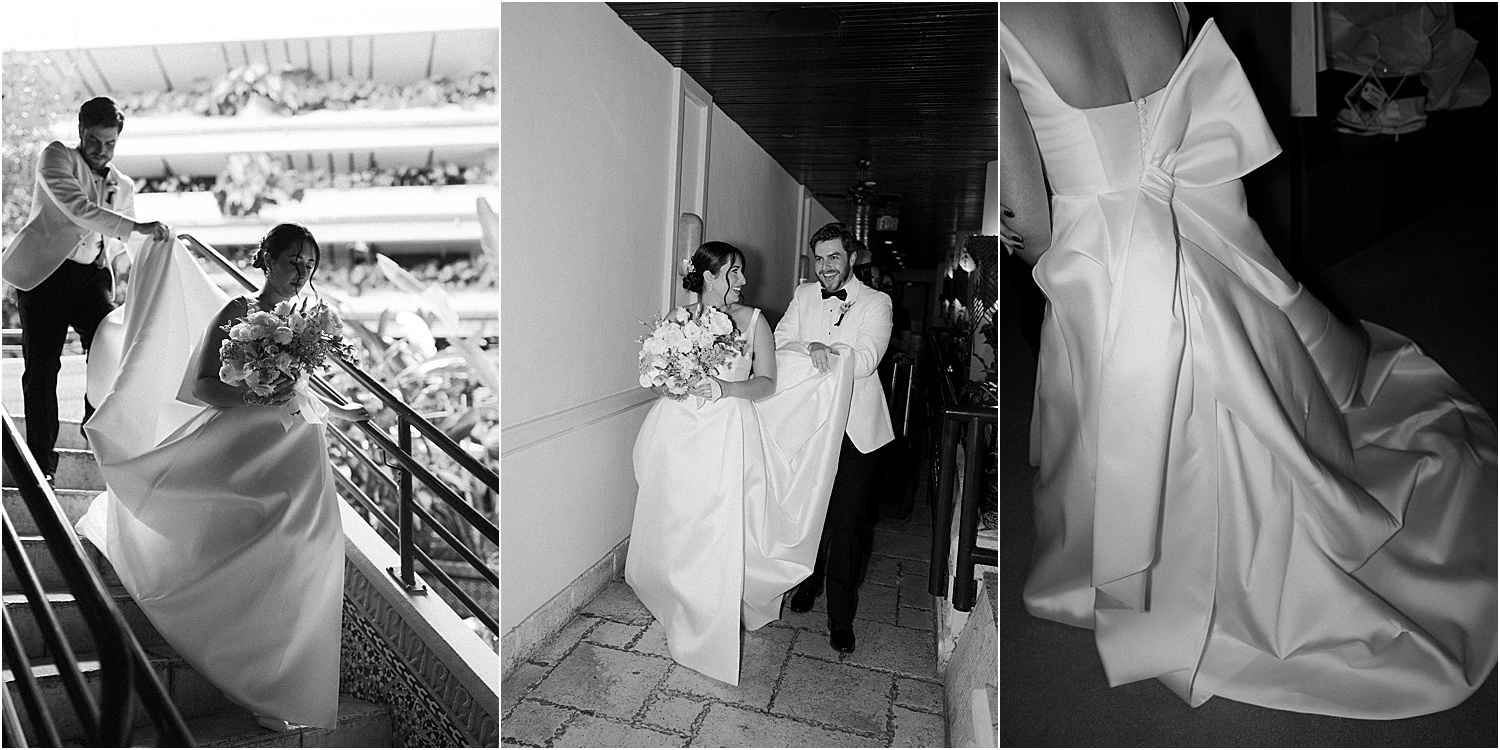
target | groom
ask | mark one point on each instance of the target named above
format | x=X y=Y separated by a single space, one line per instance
x=841 y=317
x=63 y=259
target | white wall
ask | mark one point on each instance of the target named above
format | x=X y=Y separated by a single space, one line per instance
x=584 y=174
x=753 y=204
x=585 y=168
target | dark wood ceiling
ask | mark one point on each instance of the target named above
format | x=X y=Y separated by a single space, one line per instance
x=912 y=87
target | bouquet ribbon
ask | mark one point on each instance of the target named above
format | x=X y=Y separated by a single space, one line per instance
x=310 y=408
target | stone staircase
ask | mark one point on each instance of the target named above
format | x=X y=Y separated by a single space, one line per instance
x=213 y=719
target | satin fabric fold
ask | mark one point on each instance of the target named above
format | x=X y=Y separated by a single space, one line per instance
x=1144 y=331
x=221 y=523
x=1243 y=495
x=803 y=426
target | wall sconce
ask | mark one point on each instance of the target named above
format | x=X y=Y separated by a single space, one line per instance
x=966 y=262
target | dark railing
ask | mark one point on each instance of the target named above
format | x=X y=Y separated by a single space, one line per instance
x=407 y=467
x=124 y=670
x=950 y=418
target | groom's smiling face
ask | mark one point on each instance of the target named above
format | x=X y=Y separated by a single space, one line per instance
x=831 y=264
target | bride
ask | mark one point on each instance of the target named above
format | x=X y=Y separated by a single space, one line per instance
x=220 y=517
x=1241 y=494
x=695 y=461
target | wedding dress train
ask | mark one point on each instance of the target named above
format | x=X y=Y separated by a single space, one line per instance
x=1242 y=495
x=731 y=504
x=222 y=523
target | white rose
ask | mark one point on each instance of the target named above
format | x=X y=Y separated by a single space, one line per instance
x=719 y=324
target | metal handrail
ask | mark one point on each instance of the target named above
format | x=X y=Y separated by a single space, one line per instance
x=407 y=467
x=970 y=421
x=125 y=670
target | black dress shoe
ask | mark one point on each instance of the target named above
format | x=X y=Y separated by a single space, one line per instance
x=801 y=601
x=841 y=639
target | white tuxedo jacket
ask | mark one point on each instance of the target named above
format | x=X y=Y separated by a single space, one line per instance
x=68 y=204
x=863 y=335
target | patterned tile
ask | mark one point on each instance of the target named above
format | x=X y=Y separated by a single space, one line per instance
x=406 y=674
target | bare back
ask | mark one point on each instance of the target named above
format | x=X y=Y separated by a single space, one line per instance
x=1100 y=54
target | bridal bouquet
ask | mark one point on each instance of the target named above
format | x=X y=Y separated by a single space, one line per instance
x=681 y=351
x=267 y=349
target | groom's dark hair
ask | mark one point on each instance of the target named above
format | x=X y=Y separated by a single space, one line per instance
x=100 y=110
x=833 y=231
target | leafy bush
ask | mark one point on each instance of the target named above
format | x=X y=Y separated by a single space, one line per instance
x=36 y=95
x=455 y=389
x=285 y=90
x=251 y=182
x=441 y=173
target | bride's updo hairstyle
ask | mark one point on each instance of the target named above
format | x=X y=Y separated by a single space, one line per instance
x=281 y=239
x=710 y=256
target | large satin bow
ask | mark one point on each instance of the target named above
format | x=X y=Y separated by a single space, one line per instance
x=1209 y=130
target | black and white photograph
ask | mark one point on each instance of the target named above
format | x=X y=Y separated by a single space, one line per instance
x=251 y=374
x=750 y=418
x=1248 y=392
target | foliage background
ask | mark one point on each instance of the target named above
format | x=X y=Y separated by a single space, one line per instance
x=36 y=94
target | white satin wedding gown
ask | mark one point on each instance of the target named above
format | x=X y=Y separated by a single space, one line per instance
x=222 y=523
x=1242 y=495
x=733 y=494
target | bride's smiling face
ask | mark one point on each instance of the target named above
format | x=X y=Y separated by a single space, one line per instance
x=727 y=283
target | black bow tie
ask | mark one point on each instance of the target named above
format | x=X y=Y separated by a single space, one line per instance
x=841 y=294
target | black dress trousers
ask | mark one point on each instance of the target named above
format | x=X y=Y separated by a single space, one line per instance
x=76 y=295
x=841 y=550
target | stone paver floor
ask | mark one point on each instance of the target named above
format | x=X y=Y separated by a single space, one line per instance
x=607 y=680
